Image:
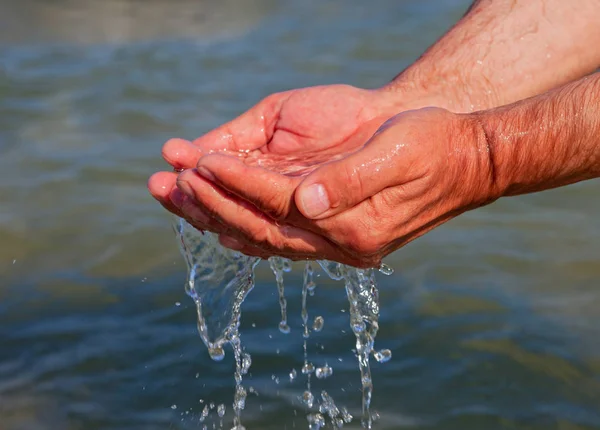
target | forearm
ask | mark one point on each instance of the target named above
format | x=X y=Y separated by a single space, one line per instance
x=544 y=142
x=502 y=51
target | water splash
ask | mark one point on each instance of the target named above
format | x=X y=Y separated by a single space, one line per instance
x=219 y=280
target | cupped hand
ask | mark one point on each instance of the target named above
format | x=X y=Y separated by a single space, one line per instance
x=420 y=169
x=333 y=118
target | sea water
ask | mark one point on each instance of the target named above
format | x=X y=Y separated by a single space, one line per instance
x=219 y=279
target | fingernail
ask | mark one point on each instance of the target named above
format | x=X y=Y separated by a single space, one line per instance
x=186 y=188
x=177 y=197
x=206 y=174
x=314 y=200
x=230 y=242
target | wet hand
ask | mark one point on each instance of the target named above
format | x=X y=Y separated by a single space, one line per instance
x=310 y=120
x=419 y=170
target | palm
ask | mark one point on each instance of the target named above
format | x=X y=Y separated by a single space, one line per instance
x=301 y=121
x=319 y=118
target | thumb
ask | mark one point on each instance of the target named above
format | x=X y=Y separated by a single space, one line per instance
x=339 y=185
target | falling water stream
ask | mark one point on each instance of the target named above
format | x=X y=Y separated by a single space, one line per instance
x=219 y=280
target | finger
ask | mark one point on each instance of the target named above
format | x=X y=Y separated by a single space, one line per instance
x=196 y=215
x=245 y=248
x=181 y=154
x=270 y=192
x=251 y=130
x=343 y=184
x=161 y=186
x=243 y=222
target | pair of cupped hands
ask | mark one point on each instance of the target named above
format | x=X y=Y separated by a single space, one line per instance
x=394 y=176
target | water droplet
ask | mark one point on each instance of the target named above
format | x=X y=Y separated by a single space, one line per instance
x=308 y=368
x=216 y=353
x=358 y=326
x=284 y=327
x=315 y=421
x=173 y=407
x=385 y=269
x=308 y=398
x=293 y=375
x=383 y=356
x=177 y=304
x=323 y=372
x=275 y=378
x=221 y=410
x=318 y=323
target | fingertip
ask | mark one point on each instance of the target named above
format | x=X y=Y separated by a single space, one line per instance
x=215 y=161
x=160 y=184
x=181 y=153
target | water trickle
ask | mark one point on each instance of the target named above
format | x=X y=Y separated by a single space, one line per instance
x=307 y=368
x=219 y=280
x=363 y=297
x=279 y=266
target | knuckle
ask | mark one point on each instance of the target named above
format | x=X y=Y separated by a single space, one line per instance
x=263 y=237
x=275 y=207
x=365 y=241
x=353 y=184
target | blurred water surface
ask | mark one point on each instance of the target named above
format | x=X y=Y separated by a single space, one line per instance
x=493 y=319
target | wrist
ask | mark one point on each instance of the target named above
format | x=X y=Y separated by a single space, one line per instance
x=544 y=142
x=448 y=88
x=477 y=170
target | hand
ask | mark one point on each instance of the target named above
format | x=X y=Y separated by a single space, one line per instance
x=419 y=170
x=312 y=120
